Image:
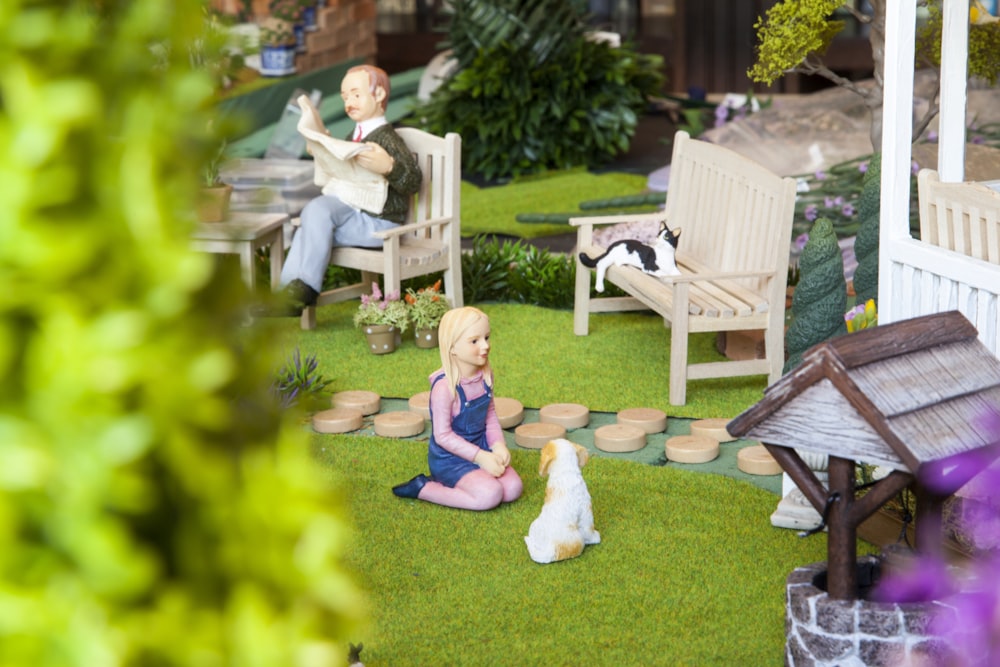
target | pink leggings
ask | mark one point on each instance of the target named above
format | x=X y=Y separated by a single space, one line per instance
x=477 y=490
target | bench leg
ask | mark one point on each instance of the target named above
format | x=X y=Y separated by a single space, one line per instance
x=774 y=348
x=581 y=300
x=679 y=345
x=308 y=318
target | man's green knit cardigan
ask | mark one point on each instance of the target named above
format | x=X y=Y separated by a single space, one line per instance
x=404 y=179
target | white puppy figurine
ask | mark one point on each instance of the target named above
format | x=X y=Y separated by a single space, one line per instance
x=567 y=519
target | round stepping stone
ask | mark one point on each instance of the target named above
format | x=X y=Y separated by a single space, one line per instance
x=567 y=415
x=421 y=404
x=510 y=412
x=691 y=449
x=756 y=460
x=712 y=428
x=400 y=424
x=650 y=420
x=368 y=402
x=337 y=420
x=619 y=438
x=536 y=435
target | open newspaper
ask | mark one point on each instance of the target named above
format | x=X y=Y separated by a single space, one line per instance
x=335 y=170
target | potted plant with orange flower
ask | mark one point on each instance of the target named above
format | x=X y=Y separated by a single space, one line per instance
x=426 y=307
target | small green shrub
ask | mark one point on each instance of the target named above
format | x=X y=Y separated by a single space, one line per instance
x=299 y=383
x=543 y=278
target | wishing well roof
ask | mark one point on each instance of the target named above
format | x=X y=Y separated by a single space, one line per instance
x=898 y=395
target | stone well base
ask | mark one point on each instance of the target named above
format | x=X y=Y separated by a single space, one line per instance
x=822 y=632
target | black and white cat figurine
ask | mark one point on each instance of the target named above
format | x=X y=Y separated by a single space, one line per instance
x=656 y=259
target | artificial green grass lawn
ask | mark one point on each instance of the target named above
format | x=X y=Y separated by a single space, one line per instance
x=492 y=210
x=622 y=363
x=689 y=570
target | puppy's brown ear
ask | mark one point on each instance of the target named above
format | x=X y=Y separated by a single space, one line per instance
x=582 y=455
x=548 y=456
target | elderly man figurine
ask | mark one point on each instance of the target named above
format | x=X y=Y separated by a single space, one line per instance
x=327 y=221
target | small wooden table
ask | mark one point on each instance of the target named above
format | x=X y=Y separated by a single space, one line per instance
x=242 y=234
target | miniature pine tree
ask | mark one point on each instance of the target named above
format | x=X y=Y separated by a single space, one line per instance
x=821 y=295
x=866 y=244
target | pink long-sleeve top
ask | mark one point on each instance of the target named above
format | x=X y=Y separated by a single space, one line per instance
x=442 y=402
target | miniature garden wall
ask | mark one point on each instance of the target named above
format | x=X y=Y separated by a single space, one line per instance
x=346 y=30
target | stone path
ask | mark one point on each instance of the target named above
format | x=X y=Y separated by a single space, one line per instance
x=653 y=453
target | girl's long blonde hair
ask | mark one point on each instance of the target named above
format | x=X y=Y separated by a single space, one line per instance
x=454 y=323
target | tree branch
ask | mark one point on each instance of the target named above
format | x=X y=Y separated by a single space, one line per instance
x=859 y=15
x=932 y=108
x=812 y=65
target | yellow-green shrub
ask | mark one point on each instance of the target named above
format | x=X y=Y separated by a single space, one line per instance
x=155 y=508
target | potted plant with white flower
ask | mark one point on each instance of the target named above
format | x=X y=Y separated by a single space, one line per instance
x=382 y=319
x=427 y=306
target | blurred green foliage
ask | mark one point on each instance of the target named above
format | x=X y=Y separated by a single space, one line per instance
x=156 y=507
x=533 y=92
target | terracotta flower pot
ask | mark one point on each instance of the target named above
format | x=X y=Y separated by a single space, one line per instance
x=426 y=338
x=213 y=203
x=382 y=338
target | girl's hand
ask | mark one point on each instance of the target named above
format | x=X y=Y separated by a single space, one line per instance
x=502 y=453
x=489 y=462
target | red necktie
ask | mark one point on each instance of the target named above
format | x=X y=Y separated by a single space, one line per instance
x=357 y=135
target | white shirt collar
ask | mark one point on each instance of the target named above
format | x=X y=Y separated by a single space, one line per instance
x=367 y=126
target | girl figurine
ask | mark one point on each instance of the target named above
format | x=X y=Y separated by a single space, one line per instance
x=468 y=457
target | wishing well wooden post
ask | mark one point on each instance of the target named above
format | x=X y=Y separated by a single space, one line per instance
x=902 y=396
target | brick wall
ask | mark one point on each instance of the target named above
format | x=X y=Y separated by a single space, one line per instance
x=346 y=30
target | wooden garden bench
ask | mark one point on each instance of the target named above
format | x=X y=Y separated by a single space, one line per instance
x=736 y=222
x=964 y=217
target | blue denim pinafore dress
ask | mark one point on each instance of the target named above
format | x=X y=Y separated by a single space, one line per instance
x=470 y=423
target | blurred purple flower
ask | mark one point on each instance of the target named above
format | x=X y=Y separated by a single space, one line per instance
x=863 y=167
x=802 y=239
x=811 y=212
x=820 y=175
x=969 y=629
x=978 y=139
x=932 y=136
x=838 y=200
x=847 y=210
x=829 y=202
x=914 y=167
x=923 y=580
x=721 y=115
x=969 y=618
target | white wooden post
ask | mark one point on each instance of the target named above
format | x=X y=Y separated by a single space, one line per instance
x=897 y=128
x=954 y=77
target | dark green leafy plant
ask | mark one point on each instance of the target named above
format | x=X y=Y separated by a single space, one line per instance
x=543 y=278
x=485 y=270
x=533 y=93
x=299 y=383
